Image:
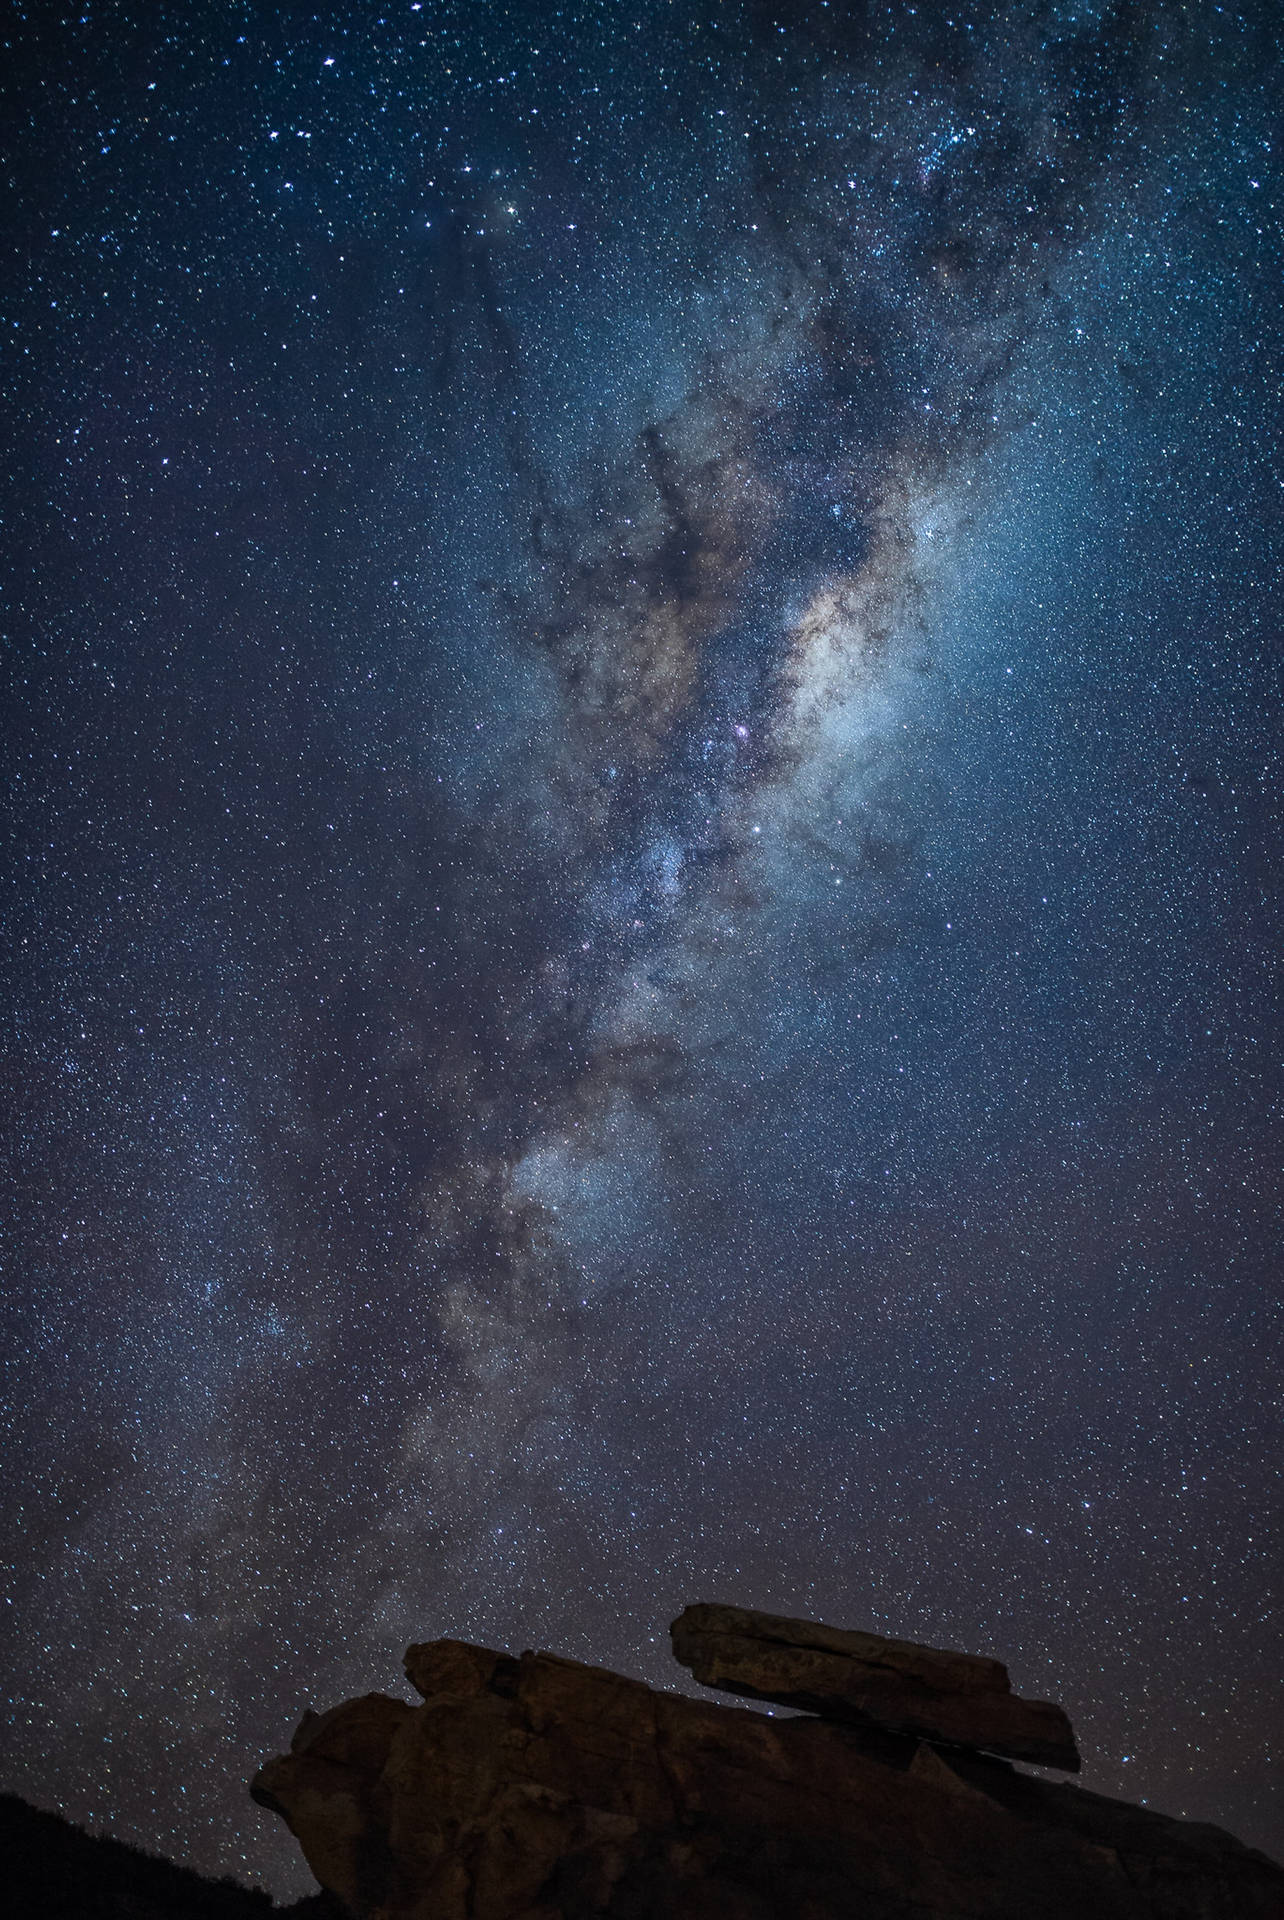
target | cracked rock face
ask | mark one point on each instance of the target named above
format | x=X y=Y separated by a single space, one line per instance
x=540 y=1789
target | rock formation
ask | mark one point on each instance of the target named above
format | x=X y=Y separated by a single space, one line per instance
x=953 y=1697
x=535 y=1788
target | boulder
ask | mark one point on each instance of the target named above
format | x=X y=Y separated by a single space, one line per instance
x=535 y=1788
x=959 y=1699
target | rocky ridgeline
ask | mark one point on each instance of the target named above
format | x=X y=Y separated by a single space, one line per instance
x=535 y=1788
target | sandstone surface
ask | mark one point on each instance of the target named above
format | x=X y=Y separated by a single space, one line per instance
x=958 y=1698
x=535 y=1788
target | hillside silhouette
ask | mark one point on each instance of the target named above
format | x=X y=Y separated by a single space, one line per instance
x=52 y=1868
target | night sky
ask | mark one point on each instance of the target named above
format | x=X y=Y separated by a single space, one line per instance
x=640 y=920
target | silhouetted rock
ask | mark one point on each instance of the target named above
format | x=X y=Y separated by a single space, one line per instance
x=958 y=1698
x=540 y=1789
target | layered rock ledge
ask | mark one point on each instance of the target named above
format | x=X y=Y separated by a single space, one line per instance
x=535 y=1788
x=957 y=1698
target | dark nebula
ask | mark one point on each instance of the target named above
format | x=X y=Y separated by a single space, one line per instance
x=641 y=920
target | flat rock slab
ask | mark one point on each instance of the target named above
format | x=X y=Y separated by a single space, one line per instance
x=956 y=1698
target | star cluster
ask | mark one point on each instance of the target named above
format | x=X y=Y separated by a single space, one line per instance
x=641 y=926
